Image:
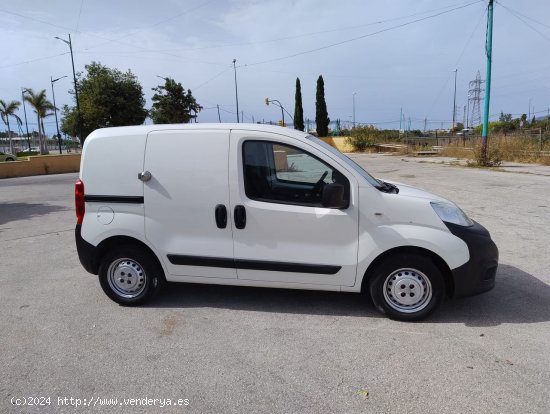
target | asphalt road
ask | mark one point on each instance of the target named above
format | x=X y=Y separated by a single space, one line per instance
x=236 y=350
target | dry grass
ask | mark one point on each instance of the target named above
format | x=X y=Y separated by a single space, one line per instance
x=505 y=148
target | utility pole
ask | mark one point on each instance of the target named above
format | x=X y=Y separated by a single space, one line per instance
x=219 y=117
x=425 y=124
x=529 y=116
x=78 y=117
x=454 y=104
x=236 y=95
x=55 y=112
x=25 y=112
x=489 y=52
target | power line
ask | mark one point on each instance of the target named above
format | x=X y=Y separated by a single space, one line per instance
x=79 y=14
x=33 y=60
x=360 y=37
x=521 y=14
x=212 y=78
x=35 y=19
x=470 y=38
x=516 y=15
x=315 y=33
x=108 y=40
x=456 y=64
x=134 y=32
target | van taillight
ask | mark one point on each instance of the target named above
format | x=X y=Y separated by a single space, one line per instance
x=79 y=205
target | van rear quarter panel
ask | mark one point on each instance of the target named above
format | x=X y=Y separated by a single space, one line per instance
x=110 y=165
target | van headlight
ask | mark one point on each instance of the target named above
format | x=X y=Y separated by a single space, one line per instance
x=450 y=213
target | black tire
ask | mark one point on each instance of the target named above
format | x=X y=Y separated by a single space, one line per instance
x=407 y=287
x=9 y=159
x=131 y=265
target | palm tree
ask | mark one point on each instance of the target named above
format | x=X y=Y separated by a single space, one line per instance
x=7 y=110
x=41 y=107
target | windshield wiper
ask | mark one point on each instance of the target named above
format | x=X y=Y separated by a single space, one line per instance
x=387 y=187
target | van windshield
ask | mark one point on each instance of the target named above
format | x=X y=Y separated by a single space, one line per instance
x=348 y=161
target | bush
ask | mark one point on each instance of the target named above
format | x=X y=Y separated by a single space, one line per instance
x=361 y=138
x=494 y=156
x=26 y=153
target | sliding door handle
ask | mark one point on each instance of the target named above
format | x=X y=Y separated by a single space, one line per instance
x=239 y=215
x=221 y=216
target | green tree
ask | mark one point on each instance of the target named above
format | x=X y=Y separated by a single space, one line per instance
x=69 y=123
x=42 y=108
x=505 y=124
x=172 y=104
x=505 y=117
x=108 y=98
x=321 y=115
x=298 y=109
x=6 y=110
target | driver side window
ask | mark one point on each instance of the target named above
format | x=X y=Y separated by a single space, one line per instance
x=280 y=173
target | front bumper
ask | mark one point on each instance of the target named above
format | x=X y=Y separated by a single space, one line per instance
x=478 y=274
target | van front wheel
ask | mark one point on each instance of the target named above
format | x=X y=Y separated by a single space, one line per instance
x=130 y=275
x=407 y=288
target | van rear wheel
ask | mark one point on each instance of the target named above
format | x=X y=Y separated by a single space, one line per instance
x=130 y=275
x=407 y=288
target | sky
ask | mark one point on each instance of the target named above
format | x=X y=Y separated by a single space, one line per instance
x=387 y=56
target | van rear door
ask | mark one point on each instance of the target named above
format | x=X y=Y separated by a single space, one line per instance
x=185 y=200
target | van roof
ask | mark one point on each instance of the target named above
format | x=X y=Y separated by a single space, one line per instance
x=146 y=129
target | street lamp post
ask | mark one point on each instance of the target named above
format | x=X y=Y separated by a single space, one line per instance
x=52 y=81
x=354 y=109
x=454 y=103
x=78 y=118
x=25 y=112
x=236 y=94
x=283 y=110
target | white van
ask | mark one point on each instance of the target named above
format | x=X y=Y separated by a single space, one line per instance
x=257 y=205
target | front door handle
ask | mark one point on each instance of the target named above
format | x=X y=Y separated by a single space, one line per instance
x=239 y=215
x=220 y=213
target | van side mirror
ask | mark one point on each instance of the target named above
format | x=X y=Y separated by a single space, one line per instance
x=333 y=196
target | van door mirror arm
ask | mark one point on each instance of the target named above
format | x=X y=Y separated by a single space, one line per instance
x=333 y=196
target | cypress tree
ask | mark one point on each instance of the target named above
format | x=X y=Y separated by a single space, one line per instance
x=321 y=115
x=298 y=109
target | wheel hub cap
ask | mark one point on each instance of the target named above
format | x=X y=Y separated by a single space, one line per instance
x=407 y=290
x=126 y=278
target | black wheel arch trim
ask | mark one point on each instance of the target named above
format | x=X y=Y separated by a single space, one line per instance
x=90 y=256
x=438 y=261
